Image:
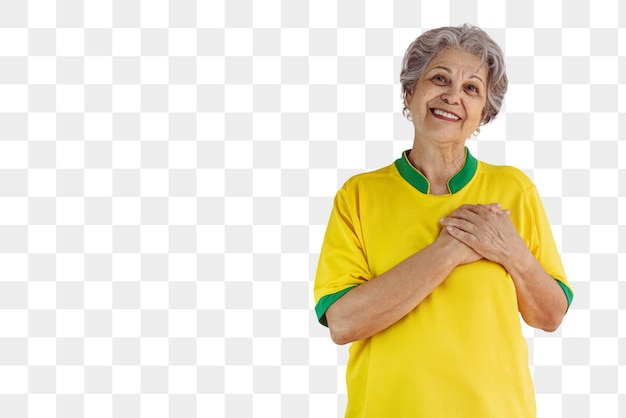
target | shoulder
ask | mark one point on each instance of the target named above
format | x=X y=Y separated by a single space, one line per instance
x=506 y=175
x=381 y=178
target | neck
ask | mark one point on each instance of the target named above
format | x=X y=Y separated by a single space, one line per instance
x=437 y=163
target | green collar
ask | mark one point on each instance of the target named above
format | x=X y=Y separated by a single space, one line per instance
x=419 y=181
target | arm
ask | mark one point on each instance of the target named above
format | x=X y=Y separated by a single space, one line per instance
x=541 y=300
x=491 y=233
x=378 y=303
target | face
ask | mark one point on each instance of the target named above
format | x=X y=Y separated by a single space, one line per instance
x=448 y=99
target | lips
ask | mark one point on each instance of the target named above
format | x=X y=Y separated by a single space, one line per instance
x=444 y=114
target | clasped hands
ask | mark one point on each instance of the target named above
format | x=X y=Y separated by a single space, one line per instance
x=485 y=231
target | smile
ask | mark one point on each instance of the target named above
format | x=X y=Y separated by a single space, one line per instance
x=444 y=114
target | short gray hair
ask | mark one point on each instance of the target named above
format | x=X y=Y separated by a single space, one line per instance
x=469 y=38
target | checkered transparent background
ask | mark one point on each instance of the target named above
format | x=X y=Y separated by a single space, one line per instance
x=167 y=169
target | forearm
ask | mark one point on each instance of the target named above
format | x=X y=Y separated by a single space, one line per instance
x=490 y=233
x=541 y=300
x=378 y=303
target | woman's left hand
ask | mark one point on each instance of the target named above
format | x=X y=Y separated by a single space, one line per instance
x=488 y=230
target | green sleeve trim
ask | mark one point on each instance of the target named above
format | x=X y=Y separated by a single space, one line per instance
x=325 y=302
x=568 y=292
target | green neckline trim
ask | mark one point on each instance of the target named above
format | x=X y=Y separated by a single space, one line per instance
x=324 y=303
x=420 y=182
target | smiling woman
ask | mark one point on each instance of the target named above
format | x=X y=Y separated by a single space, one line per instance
x=428 y=263
x=468 y=38
x=446 y=104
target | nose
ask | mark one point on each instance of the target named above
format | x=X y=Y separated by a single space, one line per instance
x=450 y=98
x=451 y=95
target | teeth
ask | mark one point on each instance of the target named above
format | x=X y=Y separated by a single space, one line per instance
x=445 y=114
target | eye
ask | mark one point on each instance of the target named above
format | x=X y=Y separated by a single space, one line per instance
x=472 y=88
x=439 y=79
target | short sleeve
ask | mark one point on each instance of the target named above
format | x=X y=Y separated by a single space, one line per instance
x=543 y=245
x=342 y=263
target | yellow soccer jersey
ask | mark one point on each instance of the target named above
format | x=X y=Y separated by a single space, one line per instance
x=460 y=352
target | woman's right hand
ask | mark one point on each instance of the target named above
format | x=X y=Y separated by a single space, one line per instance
x=460 y=252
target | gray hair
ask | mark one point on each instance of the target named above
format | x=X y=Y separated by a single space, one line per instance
x=469 y=38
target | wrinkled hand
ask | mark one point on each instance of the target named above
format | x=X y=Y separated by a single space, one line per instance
x=461 y=253
x=486 y=229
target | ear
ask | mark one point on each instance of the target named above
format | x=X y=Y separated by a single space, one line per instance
x=408 y=96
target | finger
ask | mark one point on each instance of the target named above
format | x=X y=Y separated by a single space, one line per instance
x=482 y=208
x=491 y=207
x=465 y=237
x=478 y=215
x=496 y=208
x=460 y=223
x=465 y=211
x=471 y=213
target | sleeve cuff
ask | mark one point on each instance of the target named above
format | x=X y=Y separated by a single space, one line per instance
x=324 y=303
x=568 y=292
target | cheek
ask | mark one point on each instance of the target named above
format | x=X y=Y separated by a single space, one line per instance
x=479 y=111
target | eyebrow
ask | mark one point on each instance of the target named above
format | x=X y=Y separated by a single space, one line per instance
x=449 y=71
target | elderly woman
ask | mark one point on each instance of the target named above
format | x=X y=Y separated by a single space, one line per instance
x=428 y=263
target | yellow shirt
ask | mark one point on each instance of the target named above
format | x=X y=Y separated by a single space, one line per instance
x=460 y=352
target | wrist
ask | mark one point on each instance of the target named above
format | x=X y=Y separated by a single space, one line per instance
x=519 y=261
x=447 y=252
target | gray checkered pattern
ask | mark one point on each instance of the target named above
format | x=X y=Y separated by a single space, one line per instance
x=167 y=169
